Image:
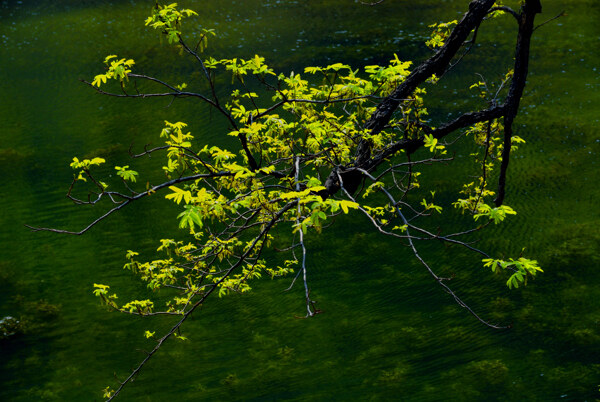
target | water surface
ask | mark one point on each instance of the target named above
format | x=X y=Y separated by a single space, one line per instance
x=387 y=332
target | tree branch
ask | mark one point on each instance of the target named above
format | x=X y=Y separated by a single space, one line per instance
x=176 y=327
x=527 y=18
x=129 y=200
x=422 y=261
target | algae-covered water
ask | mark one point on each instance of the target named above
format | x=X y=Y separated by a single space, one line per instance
x=387 y=331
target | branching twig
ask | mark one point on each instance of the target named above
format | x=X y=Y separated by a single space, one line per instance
x=422 y=261
x=129 y=200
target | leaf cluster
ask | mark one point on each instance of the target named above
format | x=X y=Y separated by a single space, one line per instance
x=522 y=268
x=117 y=69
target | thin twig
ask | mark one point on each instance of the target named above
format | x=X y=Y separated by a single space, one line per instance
x=129 y=200
x=422 y=261
x=561 y=14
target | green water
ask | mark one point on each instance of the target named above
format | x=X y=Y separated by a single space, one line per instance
x=387 y=331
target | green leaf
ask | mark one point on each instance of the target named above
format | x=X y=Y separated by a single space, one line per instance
x=345 y=205
x=190 y=217
x=126 y=174
x=430 y=142
x=178 y=195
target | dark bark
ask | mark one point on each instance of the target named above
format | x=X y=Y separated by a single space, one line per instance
x=526 y=21
x=438 y=64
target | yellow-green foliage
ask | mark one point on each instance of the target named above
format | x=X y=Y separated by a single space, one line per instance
x=117 y=69
x=315 y=123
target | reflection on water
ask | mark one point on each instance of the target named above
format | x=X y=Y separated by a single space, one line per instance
x=387 y=332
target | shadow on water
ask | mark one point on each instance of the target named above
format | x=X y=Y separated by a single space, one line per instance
x=387 y=332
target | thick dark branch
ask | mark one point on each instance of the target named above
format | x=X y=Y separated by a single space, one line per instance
x=353 y=176
x=437 y=65
x=467 y=120
x=411 y=145
x=527 y=18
